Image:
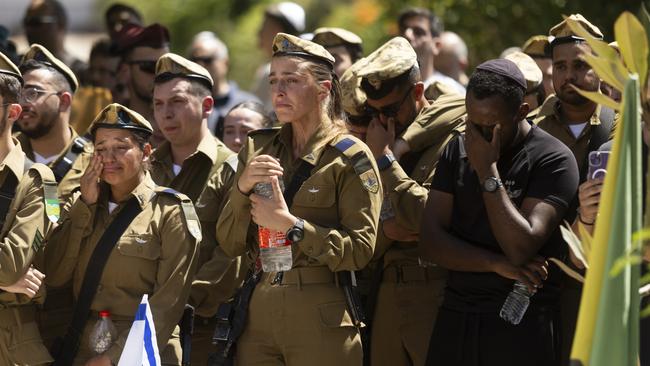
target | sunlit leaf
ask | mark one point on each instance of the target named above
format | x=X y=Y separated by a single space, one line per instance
x=568 y=270
x=633 y=43
x=608 y=70
x=574 y=243
x=599 y=98
x=641 y=235
x=621 y=263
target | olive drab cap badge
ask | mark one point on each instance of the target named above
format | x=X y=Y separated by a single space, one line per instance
x=118 y=116
x=39 y=53
x=288 y=45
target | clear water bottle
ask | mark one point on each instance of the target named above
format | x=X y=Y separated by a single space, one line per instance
x=516 y=304
x=275 y=248
x=103 y=334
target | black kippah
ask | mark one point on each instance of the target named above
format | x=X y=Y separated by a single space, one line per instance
x=505 y=68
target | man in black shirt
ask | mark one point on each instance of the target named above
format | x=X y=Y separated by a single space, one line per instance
x=492 y=218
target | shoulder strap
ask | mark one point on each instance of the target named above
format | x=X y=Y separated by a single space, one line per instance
x=189 y=212
x=61 y=168
x=232 y=161
x=7 y=193
x=360 y=162
x=91 y=279
x=50 y=195
x=299 y=177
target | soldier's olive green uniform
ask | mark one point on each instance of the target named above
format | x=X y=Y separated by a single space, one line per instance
x=411 y=292
x=56 y=314
x=302 y=319
x=22 y=234
x=218 y=275
x=156 y=255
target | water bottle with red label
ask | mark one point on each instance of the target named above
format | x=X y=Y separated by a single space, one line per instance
x=275 y=248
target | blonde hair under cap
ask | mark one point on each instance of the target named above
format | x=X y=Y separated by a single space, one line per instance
x=118 y=116
x=39 y=53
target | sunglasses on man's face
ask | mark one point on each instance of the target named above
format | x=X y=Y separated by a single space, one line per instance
x=389 y=111
x=147 y=66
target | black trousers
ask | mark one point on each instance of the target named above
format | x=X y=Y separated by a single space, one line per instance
x=484 y=339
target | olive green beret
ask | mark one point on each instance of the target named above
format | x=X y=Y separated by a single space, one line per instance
x=528 y=66
x=171 y=66
x=389 y=61
x=332 y=37
x=39 y=53
x=7 y=67
x=118 y=116
x=536 y=46
x=288 y=45
x=563 y=33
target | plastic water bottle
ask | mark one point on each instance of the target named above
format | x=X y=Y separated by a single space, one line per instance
x=275 y=248
x=103 y=334
x=516 y=304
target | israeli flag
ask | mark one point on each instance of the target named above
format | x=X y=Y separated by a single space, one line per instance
x=141 y=348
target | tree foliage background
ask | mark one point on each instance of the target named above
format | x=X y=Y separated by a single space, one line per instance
x=488 y=27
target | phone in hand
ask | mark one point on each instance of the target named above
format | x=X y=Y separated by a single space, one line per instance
x=597 y=164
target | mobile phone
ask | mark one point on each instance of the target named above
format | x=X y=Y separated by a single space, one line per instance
x=597 y=164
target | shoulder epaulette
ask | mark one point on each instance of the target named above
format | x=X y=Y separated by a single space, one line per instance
x=61 y=168
x=50 y=196
x=264 y=131
x=189 y=212
x=358 y=158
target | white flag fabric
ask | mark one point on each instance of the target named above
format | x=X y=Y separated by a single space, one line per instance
x=141 y=348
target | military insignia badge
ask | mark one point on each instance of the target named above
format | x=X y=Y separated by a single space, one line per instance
x=52 y=208
x=370 y=181
x=37 y=244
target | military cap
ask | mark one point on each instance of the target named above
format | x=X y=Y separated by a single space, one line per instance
x=563 y=33
x=505 y=68
x=529 y=68
x=134 y=35
x=352 y=97
x=118 y=116
x=171 y=65
x=39 y=53
x=394 y=58
x=8 y=68
x=536 y=46
x=332 y=37
x=288 y=45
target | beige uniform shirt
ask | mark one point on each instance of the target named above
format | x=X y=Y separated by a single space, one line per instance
x=71 y=180
x=218 y=275
x=407 y=191
x=550 y=120
x=339 y=202
x=156 y=255
x=25 y=225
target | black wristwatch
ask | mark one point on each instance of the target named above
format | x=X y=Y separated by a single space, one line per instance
x=492 y=184
x=385 y=161
x=297 y=231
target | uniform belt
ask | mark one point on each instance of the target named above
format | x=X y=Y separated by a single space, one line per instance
x=10 y=317
x=307 y=276
x=412 y=273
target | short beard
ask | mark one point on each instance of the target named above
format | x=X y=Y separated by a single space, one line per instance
x=41 y=130
x=576 y=99
x=147 y=98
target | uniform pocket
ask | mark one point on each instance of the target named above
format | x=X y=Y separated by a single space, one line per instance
x=26 y=346
x=141 y=246
x=335 y=315
x=315 y=196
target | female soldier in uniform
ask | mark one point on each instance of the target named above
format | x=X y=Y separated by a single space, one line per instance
x=156 y=253
x=299 y=317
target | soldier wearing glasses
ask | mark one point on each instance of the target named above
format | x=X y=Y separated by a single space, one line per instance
x=141 y=47
x=409 y=291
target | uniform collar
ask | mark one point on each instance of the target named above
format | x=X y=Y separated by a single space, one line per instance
x=15 y=160
x=593 y=120
x=315 y=145
x=208 y=146
x=27 y=145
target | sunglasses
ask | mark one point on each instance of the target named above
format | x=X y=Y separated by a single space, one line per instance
x=147 y=66
x=389 y=111
x=202 y=59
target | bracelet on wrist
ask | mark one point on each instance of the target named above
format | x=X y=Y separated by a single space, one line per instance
x=583 y=221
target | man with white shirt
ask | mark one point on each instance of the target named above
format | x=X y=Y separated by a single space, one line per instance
x=423 y=29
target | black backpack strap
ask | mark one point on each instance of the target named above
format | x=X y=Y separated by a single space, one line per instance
x=62 y=167
x=7 y=194
x=299 y=177
x=91 y=280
